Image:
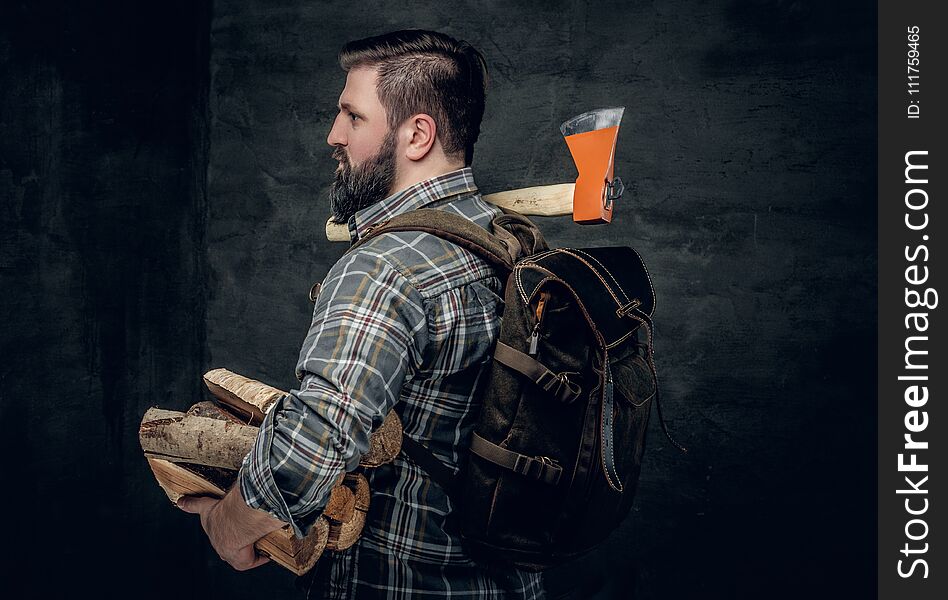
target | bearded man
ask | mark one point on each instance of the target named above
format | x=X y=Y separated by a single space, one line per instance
x=405 y=322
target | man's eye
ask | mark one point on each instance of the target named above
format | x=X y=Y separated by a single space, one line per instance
x=353 y=117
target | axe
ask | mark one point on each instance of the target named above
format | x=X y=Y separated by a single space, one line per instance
x=591 y=139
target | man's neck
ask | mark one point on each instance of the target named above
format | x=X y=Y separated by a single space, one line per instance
x=421 y=173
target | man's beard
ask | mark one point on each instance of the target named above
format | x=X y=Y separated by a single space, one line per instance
x=362 y=186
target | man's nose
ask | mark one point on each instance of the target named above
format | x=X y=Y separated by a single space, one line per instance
x=336 y=138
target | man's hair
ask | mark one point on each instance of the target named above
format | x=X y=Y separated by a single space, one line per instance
x=427 y=72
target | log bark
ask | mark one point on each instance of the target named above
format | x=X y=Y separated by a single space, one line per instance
x=212 y=410
x=181 y=437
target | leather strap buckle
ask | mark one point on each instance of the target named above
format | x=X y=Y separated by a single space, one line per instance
x=559 y=385
x=541 y=468
x=626 y=310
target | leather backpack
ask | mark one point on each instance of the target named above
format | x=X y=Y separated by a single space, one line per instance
x=555 y=456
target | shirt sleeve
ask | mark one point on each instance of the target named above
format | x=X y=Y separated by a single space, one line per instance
x=367 y=337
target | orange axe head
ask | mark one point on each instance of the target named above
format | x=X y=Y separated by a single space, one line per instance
x=591 y=138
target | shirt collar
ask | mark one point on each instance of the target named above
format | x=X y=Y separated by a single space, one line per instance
x=419 y=195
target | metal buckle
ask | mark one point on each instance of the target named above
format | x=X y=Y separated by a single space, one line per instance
x=553 y=477
x=567 y=391
x=547 y=461
x=548 y=380
x=612 y=191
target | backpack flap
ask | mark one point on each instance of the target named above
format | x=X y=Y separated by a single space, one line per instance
x=611 y=283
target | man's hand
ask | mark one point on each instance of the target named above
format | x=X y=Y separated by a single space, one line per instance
x=232 y=527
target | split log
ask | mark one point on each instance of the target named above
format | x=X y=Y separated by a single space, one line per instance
x=344 y=535
x=385 y=442
x=181 y=437
x=177 y=480
x=249 y=398
x=282 y=546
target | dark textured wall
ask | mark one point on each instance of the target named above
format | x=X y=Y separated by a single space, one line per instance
x=102 y=272
x=748 y=147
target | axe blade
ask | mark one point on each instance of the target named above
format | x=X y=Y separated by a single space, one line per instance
x=591 y=138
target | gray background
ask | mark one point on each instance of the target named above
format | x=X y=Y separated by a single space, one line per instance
x=163 y=172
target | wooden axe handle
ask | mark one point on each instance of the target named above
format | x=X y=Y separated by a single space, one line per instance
x=540 y=201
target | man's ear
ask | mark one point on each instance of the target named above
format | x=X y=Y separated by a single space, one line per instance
x=421 y=133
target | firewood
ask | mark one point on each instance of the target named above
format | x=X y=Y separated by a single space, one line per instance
x=291 y=552
x=248 y=397
x=344 y=535
x=341 y=504
x=200 y=452
x=176 y=480
x=160 y=414
x=212 y=410
x=282 y=546
x=180 y=437
x=385 y=443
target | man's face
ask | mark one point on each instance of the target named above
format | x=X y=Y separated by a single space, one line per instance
x=364 y=146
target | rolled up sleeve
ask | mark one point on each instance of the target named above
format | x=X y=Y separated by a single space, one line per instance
x=367 y=337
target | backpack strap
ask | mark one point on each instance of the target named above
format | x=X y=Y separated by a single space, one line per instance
x=513 y=237
x=425 y=458
x=557 y=384
x=450 y=227
x=541 y=468
x=649 y=352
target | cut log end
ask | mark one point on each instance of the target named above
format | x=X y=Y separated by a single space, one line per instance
x=343 y=535
x=341 y=504
x=287 y=550
x=385 y=442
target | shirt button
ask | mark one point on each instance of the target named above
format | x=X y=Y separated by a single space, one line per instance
x=314 y=292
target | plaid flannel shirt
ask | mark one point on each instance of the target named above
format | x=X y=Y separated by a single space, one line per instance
x=406 y=322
